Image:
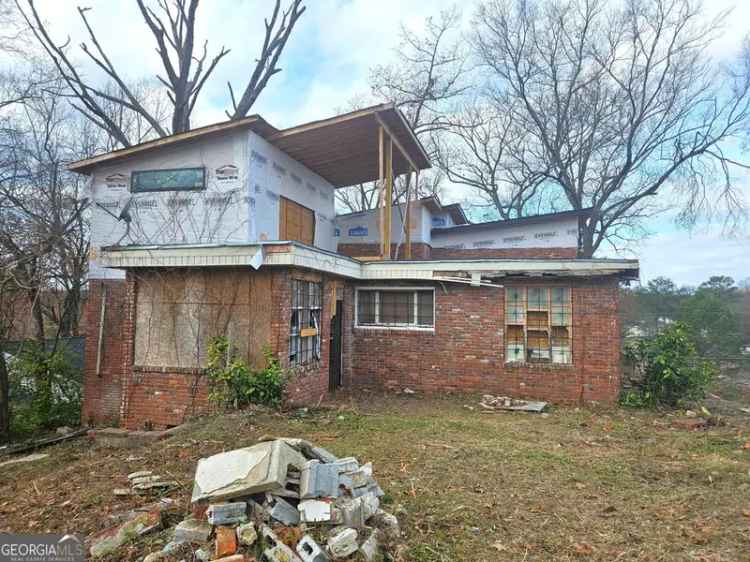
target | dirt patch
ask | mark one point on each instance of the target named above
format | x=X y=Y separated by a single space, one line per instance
x=577 y=484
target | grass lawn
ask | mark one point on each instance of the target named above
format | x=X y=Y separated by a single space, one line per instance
x=575 y=484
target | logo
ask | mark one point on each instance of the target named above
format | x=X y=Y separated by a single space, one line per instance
x=116 y=181
x=41 y=548
x=227 y=172
x=358 y=231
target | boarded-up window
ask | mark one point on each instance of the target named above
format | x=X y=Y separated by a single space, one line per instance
x=178 y=313
x=296 y=222
x=538 y=325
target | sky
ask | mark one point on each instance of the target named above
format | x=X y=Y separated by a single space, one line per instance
x=326 y=64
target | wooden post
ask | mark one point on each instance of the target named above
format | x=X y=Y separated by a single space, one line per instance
x=407 y=220
x=381 y=187
x=388 y=208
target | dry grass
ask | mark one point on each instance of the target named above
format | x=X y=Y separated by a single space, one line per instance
x=577 y=484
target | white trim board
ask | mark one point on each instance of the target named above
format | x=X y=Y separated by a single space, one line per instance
x=301 y=255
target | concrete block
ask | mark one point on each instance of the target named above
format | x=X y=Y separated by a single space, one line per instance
x=318 y=511
x=310 y=551
x=192 y=530
x=277 y=550
x=227 y=513
x=283 y=511
x=369 y=549
x=246 y=534
x=343 y=544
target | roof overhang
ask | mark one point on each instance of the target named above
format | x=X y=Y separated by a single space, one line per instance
x=294 y=254
x=344 y=149
x=254 y=122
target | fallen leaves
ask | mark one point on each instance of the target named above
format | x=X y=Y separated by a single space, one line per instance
x=583 y=549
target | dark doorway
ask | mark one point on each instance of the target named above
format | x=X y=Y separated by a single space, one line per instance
x=334 y=360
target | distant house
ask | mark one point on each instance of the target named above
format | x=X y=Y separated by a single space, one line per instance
x=230 y=230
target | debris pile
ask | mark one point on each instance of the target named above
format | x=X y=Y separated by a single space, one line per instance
x=495 y=403
x=284 y=500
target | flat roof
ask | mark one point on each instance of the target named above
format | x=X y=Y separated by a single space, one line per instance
x=531 y=219
x=342 y=149
x=295 y=254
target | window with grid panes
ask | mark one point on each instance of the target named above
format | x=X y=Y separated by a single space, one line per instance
x=396 y=307
x=538 y=325
x=304 y=329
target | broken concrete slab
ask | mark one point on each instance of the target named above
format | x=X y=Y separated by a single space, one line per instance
x=343 y=543
x=109 y=540
x=192 y=530
x=309 y=450
x=356 y=511
x=227 y=513
x=243 y=472
x=506 y=403
x=310 y=551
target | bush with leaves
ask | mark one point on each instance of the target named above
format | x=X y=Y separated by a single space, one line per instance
x=45 y=390
x=673 y=371
x=235 y=385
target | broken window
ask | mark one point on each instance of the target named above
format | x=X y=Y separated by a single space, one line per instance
x=409 y=308
x=304 y=329
x=538 y=325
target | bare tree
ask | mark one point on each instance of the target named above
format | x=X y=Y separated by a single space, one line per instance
x=484 y=149
x=427 y=75
x=622 y=101
x=187 y=66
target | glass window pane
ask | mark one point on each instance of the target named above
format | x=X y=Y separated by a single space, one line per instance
x=560 y=295
x=168 y=180
x=396 y=307
x=538 y=298
x=425 y=309
x=366 y=307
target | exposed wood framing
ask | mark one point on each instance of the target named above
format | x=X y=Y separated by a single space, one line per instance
x=100 y=342
x=395 y=140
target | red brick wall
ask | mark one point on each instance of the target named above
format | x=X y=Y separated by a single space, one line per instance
x=155 y=397
x=466 y=350
x=450 y=253
x=102 y=392
x=421 y=251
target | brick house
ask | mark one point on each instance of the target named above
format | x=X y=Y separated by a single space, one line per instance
x=230 y=230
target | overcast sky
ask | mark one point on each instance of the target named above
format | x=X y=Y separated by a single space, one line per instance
x=327 y=62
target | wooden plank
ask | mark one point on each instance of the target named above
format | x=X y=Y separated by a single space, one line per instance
x=395 y=141
x=388 y=223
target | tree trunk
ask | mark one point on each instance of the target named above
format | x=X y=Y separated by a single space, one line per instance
x=586 y=243
x=4 y=400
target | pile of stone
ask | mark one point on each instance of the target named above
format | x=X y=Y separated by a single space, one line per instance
x=145 y=481
x=499 y=403
x=285 y=500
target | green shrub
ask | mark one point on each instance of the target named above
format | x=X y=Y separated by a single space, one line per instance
x=673 y=371
x=45 y=390
x=234 y=384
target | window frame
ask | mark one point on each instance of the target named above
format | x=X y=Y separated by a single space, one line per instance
x=315 y=341
x=134 y=173
x=563 y=310
x=395 y=326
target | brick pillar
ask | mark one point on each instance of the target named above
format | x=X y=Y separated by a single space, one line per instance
x=102 y=389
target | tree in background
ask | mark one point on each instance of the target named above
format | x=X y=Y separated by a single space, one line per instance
x=616 y=103
x=428 y=73
x=186 y=65
x=713 y=313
